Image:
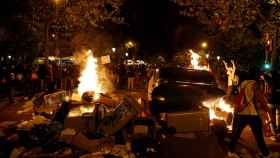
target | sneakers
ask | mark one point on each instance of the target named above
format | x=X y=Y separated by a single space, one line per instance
x=232 y=155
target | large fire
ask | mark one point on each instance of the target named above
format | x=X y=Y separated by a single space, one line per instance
x=89 y=81
x=93 y=79
x=195 y=61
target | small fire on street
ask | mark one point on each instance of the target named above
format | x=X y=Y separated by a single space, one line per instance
x=218 y=108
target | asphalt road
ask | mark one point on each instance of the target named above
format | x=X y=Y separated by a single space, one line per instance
x=203 y=146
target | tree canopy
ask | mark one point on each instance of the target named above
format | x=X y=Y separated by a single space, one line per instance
x=234 y=23
x=53 y=20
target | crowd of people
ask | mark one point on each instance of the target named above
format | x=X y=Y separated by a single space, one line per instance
x=25 y=79
x=132 y=76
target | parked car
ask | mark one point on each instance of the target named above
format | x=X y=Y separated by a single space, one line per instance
x=178 y=96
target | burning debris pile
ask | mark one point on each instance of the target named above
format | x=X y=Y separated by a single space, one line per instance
x=93 y=83
x=61 y=136
x=93 y=77
x=86 y=125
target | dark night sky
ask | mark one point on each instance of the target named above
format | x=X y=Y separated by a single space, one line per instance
x=154 y=24
x=7 y=9
x=158 y=27
x=9 y=12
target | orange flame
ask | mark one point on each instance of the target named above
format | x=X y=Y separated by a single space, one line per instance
x=89 y=80
x=79 y=111
x=217 y=104
x=195 y=61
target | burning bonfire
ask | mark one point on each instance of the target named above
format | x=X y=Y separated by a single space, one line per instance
x=93 y=82
x=89 y=81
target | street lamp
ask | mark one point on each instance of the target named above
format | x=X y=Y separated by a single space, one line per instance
x=204 y=44
x=130 y=44
x=114 y=50
x=56 y=1
x=126 y=54
x=218 y=57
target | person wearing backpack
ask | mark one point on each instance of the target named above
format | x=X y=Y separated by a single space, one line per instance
x=248 y=105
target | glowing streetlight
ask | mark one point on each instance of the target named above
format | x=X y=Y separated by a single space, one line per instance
x=56 y=1
x=130 y=44
x=51 y=58
x=218 y=57
x=268 y=42
x=9 y=57
x=207 y=56
x=114 y=50
x=126 y=54
x=204 y=44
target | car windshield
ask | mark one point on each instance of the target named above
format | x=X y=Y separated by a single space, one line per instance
x=186 y=75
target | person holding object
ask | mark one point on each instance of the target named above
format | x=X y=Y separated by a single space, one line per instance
x=230 y=72
x=248 y=105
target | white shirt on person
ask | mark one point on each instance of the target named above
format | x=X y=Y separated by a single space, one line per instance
x=249 y=87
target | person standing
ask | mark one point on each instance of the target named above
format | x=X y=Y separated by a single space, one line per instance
x=130 y=80
x=12 y=84
x=42 y=74
x=251 y=101
x=35 y=83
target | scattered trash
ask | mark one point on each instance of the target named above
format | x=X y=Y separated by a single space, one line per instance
x=27 y=107
x=46 y=134
x=124 y=112
x=16 y=152
x=40 y=153
x=55 y=99
x=36 y=120
x=117 y=151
